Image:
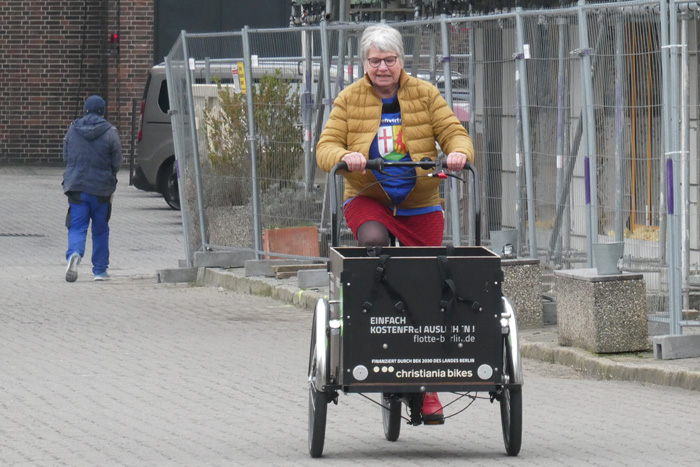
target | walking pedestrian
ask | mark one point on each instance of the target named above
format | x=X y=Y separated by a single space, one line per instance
x=93 y=154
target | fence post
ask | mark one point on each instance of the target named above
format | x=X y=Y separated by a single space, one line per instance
x=519 y=198
x=454 y=188
x=195 y=144
x=472 y=193
x=685 y=159
x=667 y=42
x=562 y=145
x=525 y=116
x=326 y=61
x=619 y=130
x=179 y=147
x=675 y=285
x=591 y=159
x=666 y=116
x=307 y=108
x=340 y=70
x=252 y=139
x=132 y=141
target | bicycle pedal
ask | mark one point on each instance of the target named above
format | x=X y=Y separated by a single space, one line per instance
x=440 y=421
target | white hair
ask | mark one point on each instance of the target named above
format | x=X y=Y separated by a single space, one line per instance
x=382 y=37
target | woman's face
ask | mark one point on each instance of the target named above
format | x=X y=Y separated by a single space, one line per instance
x=384 y=78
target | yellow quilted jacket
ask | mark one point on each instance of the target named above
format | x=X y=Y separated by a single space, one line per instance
x=425 y=116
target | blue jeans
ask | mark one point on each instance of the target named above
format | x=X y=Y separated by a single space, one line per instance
x=83 y=208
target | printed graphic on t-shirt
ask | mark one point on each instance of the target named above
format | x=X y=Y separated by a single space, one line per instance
x=390 y=142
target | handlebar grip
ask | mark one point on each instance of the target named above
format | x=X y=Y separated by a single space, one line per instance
x=375 y=164
x=372 y=164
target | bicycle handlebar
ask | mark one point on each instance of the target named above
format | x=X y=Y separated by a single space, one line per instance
x=379 y=164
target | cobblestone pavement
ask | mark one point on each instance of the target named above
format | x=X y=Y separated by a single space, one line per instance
x=131 y=372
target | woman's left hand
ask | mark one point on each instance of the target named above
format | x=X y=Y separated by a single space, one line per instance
x=456 y=161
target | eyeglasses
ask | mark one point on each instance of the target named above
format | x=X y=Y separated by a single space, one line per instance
x=388 y=61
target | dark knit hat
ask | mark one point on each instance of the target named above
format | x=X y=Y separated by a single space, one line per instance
x=95 y=104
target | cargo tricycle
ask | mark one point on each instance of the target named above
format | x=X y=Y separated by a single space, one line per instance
x=403 y=321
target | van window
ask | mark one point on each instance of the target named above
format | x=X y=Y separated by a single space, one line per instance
x=163 y=101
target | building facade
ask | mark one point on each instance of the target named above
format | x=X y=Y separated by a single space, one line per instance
x=53 y=54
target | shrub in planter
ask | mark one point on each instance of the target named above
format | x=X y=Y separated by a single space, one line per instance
x=279 y=148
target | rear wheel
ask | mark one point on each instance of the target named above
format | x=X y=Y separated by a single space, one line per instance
x=391 y=417
x=169 y=185
x=511 y=404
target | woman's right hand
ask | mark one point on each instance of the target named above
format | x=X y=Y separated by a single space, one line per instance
x=356 y=162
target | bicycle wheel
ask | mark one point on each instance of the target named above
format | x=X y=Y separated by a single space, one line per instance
x=318 y=399
x=318 y=407
x=511 y=404
x=391 y=417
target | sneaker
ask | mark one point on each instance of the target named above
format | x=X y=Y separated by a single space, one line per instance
x=101 y=277
x=72 y=269
x=432 y=408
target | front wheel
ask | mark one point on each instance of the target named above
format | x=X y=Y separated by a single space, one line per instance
x=391 y=417
x=511 y=404
x=318 y=399
x=318 y=408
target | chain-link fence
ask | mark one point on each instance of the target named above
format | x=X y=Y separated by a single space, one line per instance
x=583 y=119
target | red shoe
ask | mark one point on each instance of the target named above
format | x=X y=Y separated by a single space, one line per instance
x=432 y=408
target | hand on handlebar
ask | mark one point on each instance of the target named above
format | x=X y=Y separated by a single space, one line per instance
x=355 y=161
x=456 y=161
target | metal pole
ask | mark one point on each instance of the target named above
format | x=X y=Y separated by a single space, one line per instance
x=340 y=70
x=522 y=69
x=685 y=161
x=176 y=122
x=195 y=143
x=591 y=166
x=132 y=149
x=307 y=109
x=675 y=286
x=247 y=63
x=472 y=193
x=433 y=54
x=325 y=50
x=454 y=187
x=561 y=77
x=619 y=130
x=519 y=198
x=666 y=116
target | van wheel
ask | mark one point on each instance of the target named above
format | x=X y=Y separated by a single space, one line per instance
x=171 y=195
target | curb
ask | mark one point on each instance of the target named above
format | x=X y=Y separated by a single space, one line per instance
x=284 y=291
x=596 y=366
x=601 y=367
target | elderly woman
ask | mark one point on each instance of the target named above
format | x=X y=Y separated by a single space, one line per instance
x=395 y=116
x=392 y=115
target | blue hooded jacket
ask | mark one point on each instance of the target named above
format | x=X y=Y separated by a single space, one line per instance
x=93 y=155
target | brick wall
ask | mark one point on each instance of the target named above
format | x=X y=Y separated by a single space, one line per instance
x=55 y=53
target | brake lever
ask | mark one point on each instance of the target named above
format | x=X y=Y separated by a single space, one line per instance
x=441 y=170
